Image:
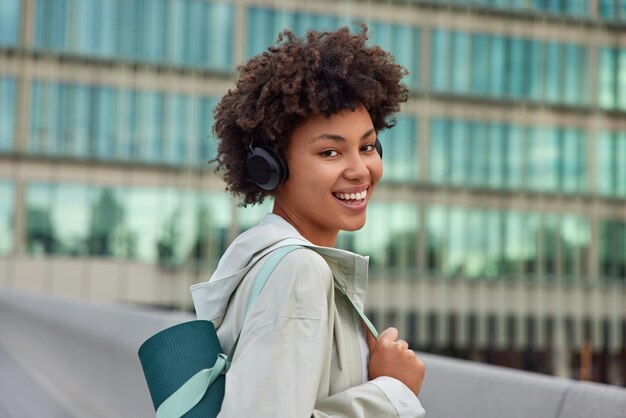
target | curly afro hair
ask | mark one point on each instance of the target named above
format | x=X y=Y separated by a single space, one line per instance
x=322 y=73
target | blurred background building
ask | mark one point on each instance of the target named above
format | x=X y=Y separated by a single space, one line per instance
x=498 y=234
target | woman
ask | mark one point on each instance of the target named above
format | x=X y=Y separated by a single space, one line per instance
x=310 y=110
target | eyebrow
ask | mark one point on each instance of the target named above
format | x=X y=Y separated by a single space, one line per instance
x=339 y=138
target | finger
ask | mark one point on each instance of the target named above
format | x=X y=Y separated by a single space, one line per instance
x=371 y=340
x=403 y=344
x=390 y=334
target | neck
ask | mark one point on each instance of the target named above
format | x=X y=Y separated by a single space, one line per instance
x=311 y=232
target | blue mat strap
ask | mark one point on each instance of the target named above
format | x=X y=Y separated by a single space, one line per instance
x=192 y=391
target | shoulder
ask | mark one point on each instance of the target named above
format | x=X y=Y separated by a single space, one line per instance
x=305 y=279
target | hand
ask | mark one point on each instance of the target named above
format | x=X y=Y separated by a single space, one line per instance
x=392 y=357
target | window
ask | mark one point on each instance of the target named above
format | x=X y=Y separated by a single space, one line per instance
x=462 y=57
x=436 y=238
x=389 y=237
x=400 y=150
x=179 y=32
x=441 y=60
x=7 y=113
x=496 y=140
x=7 y=196
x=151 y=225
x=575 y=241
x=9 y=22
x=611 y=163
x=438 y=150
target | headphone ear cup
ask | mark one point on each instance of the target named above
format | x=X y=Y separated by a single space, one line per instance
x=379 y=147
x=265 y=168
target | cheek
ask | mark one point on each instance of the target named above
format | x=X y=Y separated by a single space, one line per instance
x=376 y=170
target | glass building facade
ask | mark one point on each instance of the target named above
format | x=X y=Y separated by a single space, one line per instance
x=505 y=174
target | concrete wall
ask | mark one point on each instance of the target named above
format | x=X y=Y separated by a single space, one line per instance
x=66 y=358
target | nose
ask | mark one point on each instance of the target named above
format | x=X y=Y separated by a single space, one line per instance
x=356 y=167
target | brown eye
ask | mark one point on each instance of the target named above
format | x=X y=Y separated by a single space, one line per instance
x=329 y=153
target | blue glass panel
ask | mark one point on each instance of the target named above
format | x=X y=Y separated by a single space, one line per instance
x=129 y=30
x=207 y=149
x=69 y=212
x=438 y=151
x=109 y=234
x=620 y=164
x=532 y=88
x=574 y=235
x=176 y=134
x=554 y=73
x=9 y=22
x=105 y=130
x=543 y=158
x=498 y=67
x=607 y=73
x=220 y=34
x=513 y=243
x=475 y=226
x=529 y=239
x=194 y=129
x=150 y=126
x=214 y=220
x=573 y=75
x=607 y=9
x=127 y=139
x=107 y=41
x=7 y=212
x=45 y=118
x=605 y=161
x=481 y=48
x=569 y=177
x=441 y=64
x=436 y=238
x=260 y=33
x=8 y=105
x=153 y=35
x=621 y=80
x=495 y=154
x=458 y=152
x=76 y=126
x=514 y=157
x=494 y=251
x=460 y=62
x=51 y=24
x=41 y=237
x=577 y=8
x=456 y=239
x=517 y=69
x=143 y=206
x=407 y=52
x=478 y=154
x=195 y=32
x=549 y=235
x=175 y=44
x=400 y=145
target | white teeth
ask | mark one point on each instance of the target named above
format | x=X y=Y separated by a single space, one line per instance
x=352 y=196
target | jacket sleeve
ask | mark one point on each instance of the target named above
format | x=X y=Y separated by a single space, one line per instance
x=285 y=349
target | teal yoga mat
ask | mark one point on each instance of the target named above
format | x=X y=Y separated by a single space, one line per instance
x=170 y=357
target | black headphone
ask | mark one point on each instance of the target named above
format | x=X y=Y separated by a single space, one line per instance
x=268 y=171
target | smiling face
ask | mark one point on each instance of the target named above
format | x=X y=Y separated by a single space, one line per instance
x=333 y=169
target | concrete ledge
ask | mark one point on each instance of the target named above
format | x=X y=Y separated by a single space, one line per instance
x=80 y=358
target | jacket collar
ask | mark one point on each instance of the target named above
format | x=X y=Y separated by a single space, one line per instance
x=211 y=298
